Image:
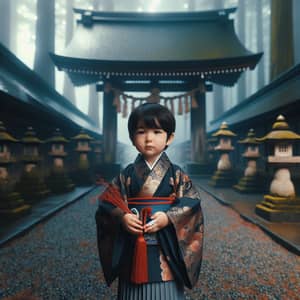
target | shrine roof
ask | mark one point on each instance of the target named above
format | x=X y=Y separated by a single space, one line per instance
x=162 y=45
x=280 y=95
x=27 y=88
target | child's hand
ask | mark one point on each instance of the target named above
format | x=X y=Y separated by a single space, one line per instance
x=132 y=223
x=158 y=221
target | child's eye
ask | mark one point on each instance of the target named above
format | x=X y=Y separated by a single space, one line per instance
x=158 y=131
x=140 y=131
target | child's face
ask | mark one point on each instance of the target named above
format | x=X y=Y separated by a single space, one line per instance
x=150 y=142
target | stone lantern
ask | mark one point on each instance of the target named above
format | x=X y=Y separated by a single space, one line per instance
x=223 y=176
x=211 y=153
x=31 y=184
x=281 y=204
x=58 y=179
x=250 y=182
x=83 y=173
x=11 y=203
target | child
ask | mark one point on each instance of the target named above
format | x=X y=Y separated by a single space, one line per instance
x=149 y=222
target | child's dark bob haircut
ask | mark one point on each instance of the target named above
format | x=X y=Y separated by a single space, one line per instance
x=151 y=115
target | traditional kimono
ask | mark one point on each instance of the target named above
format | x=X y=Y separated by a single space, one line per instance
x=174 y=252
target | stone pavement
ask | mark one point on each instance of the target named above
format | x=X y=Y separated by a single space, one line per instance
x=287 y=234
x=58 y=259
x=41 y=210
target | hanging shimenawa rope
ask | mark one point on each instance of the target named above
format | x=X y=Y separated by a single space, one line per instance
x=185 y=101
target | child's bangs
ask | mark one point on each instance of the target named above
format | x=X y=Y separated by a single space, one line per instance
x=150 y=121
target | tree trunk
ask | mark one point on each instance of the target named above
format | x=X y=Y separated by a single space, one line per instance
x=104 y=5
x=93 y=106
x=13 y=25
x=260 y=46
x=45 y=33
x=296 y=9
x=69 y=91
x=282 y=42
x=242 y=36
x=218 y=100
x=5 y=34
x=251 y=77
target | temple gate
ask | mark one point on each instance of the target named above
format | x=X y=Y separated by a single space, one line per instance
x=128 y=51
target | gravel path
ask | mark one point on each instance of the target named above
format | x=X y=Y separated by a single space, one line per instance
x=58 y=259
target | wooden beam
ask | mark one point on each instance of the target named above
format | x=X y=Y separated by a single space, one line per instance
x=147 y=85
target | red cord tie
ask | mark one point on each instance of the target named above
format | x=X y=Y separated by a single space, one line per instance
x=139 y=272
x=112 y=195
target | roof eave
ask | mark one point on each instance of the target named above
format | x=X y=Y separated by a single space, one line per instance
x=205 y=69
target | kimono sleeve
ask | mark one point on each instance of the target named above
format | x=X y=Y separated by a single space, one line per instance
x=187 y=221
x=111 y=239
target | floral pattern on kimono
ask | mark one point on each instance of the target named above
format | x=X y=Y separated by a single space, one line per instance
x=181 y=242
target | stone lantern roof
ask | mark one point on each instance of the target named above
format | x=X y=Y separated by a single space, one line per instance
x=57 y=137
x=251 y=144
x=83 y=136
x=224 y=131
x=31 y=142
x=30 y=137
x=251 y=139
x=5 y=136
x=280 y=131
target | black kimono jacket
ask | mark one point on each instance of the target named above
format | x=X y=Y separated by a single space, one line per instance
x=180 y=244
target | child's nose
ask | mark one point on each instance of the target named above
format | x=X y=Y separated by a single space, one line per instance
x=149 y=136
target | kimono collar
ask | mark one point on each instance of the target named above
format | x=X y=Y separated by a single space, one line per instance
x=151 y=179
x=152 y=166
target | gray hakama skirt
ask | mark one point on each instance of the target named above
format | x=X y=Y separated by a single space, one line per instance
x=165 y=290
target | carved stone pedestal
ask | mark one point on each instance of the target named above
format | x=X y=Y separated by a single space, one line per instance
x=279 y=209
x=222 y=178
x=12 y=206
x=249 y=184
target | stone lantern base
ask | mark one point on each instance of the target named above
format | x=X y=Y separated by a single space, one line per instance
x=222 y=178
x=279 y=209
x=12 y=205
x=249 y=184
x=32 y=186
x=59 y=181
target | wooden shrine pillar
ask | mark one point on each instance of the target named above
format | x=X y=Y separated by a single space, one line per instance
x=109 y=168
x=198 y=163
